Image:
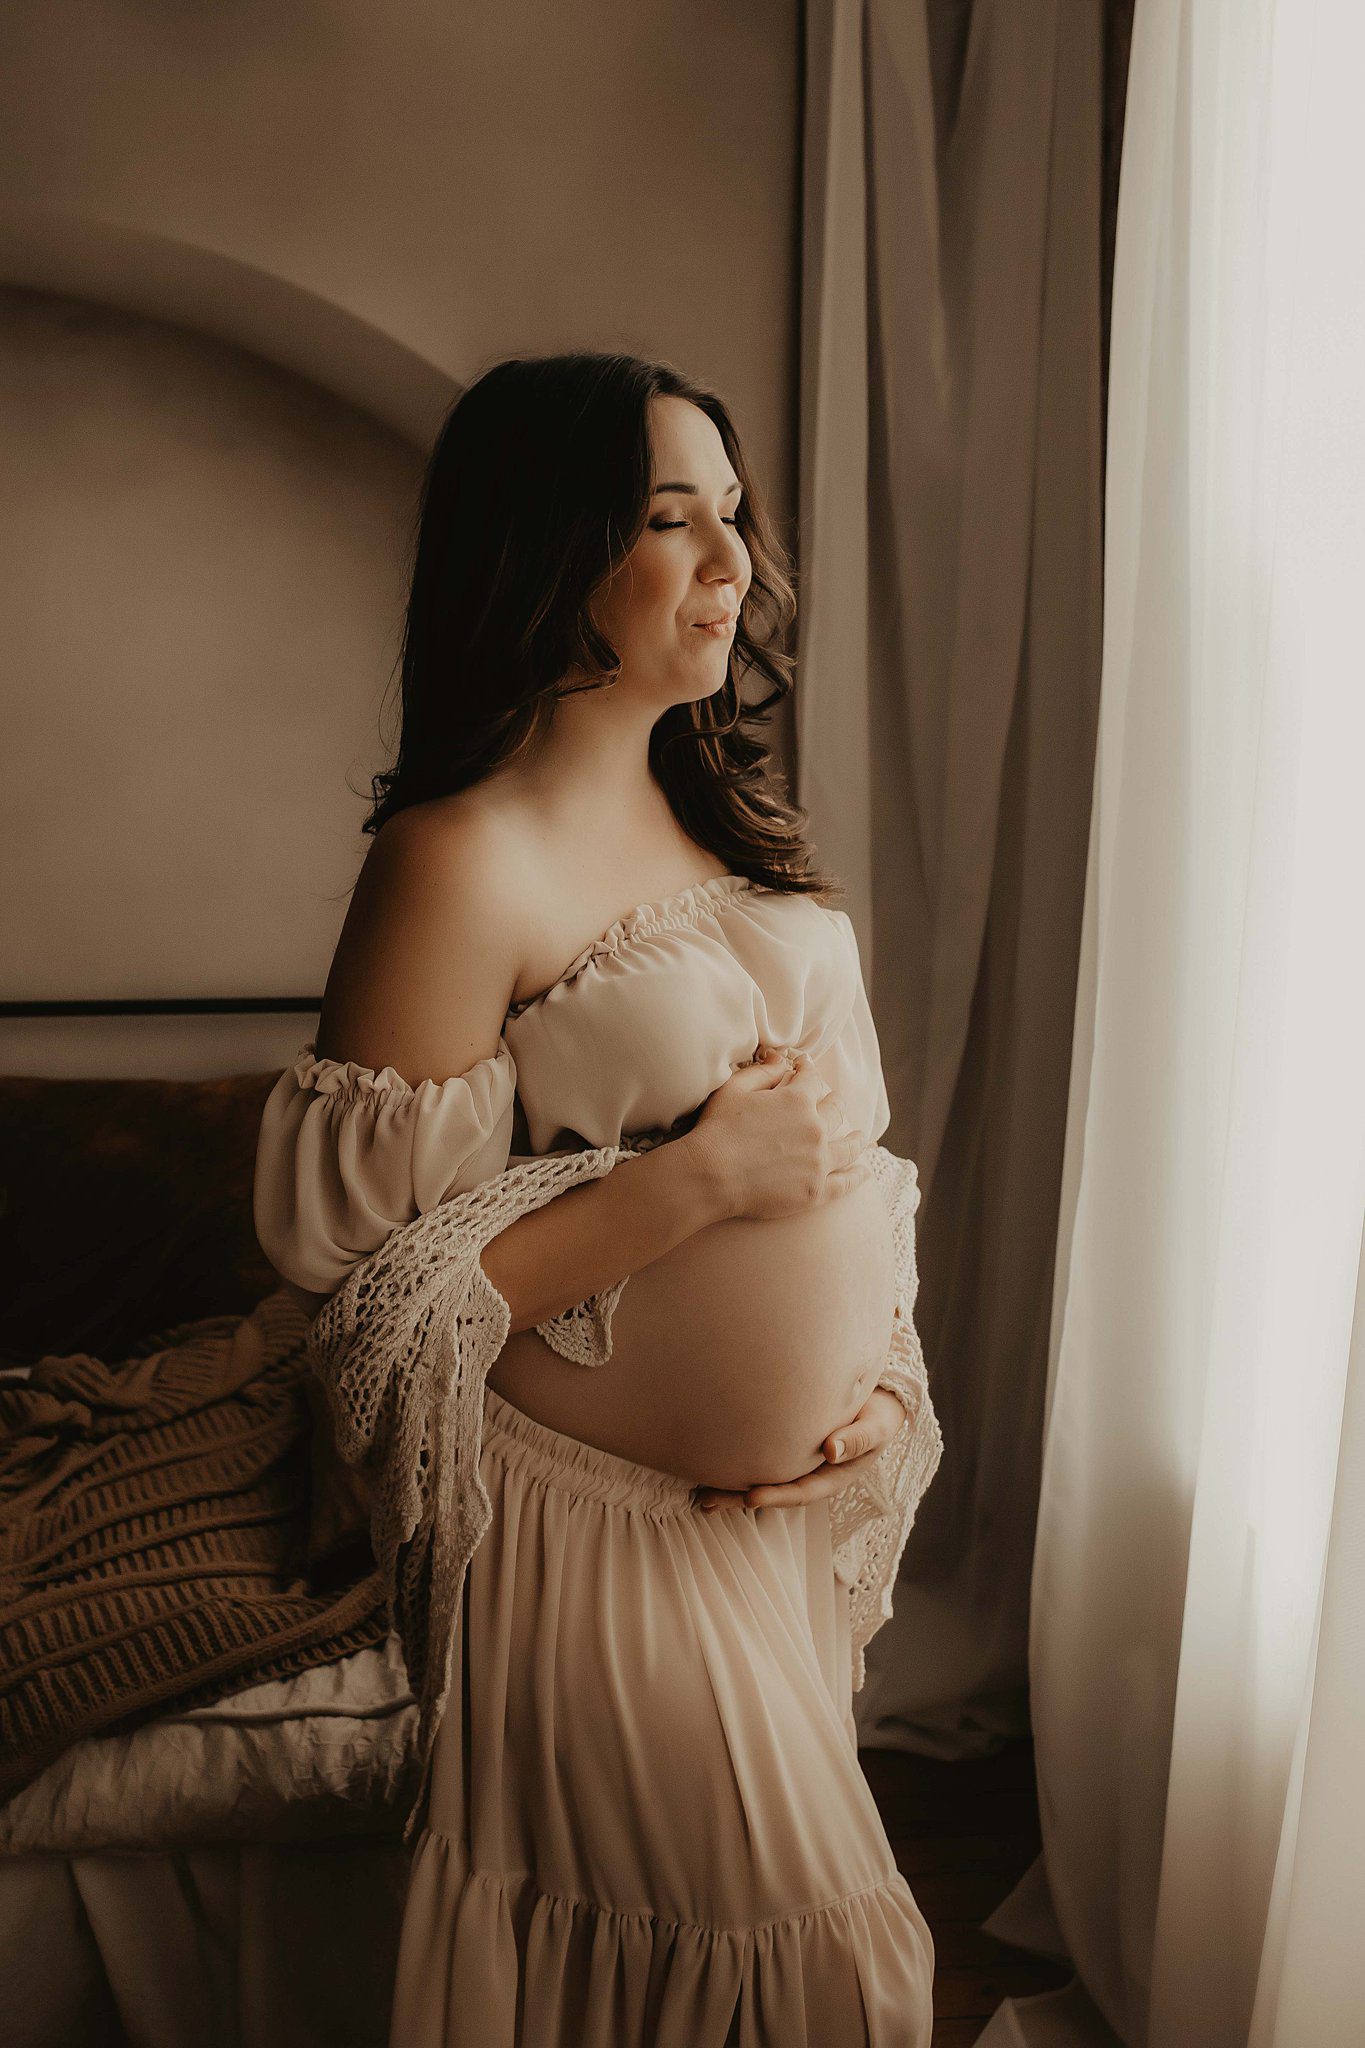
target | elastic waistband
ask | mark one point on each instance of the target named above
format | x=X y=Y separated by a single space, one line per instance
x=579 y=1468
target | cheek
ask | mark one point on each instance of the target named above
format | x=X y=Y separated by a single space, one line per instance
x=650 y=600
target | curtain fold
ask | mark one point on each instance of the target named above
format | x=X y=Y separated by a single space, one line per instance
x=1196 y=1661
x=949 y=657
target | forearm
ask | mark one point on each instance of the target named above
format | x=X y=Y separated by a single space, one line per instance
x=596 y=1234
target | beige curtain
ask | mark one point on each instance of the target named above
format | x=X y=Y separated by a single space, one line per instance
x=949 y=661
x=1197 y=1650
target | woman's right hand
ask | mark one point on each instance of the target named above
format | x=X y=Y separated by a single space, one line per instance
x=774 y=1140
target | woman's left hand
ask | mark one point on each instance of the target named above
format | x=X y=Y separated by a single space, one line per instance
x=862 y=1439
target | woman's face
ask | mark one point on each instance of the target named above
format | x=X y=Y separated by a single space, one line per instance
x=688 y=565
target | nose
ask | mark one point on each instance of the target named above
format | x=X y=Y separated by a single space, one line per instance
x=729 y=563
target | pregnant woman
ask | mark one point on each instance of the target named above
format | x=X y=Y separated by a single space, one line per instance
x=612 y=1280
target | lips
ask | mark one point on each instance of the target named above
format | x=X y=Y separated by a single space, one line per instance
x=722 y=623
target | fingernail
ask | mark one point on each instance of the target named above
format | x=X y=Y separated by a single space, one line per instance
x=708 y=1507
x=838 y=1447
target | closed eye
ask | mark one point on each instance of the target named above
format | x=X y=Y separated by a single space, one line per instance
x=665 y=525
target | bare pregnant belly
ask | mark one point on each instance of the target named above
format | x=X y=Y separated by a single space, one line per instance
x=735 y=1354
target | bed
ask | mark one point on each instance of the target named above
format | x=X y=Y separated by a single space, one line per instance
x=227 y=1865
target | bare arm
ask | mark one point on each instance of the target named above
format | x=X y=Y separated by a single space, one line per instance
x=422 y=979
x=593 y=1235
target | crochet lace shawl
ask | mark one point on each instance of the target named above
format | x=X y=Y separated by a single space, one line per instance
x=405 y=1345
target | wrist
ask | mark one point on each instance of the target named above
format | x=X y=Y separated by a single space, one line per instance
x=703 y=1185
x=905 y=1386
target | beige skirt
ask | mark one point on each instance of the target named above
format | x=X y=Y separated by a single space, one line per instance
x=648 y=1826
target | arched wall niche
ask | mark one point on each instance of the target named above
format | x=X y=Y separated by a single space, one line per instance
x=192 y=286
x=208 y=545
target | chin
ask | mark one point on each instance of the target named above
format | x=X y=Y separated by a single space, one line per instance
x=710 y=686
x=696 y=696
x=692 y=690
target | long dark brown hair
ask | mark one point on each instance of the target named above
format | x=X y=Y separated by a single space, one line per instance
x=537 y=488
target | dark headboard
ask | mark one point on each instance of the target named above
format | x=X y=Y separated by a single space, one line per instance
x=125 y=1207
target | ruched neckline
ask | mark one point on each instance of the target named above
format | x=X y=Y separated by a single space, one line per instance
x=658 y=914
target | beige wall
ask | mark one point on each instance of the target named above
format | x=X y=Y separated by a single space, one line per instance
x=205 y=561
x=201 y=541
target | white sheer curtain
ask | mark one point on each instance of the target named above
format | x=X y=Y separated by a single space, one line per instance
x=1197 y=1664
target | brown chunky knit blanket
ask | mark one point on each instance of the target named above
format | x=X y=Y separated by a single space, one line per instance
x=154 y=1534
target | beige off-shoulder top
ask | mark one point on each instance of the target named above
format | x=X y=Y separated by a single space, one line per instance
x=624 y=1047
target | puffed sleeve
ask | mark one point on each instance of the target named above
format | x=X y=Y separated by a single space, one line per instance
x=851 y=1064
x=345 y=1155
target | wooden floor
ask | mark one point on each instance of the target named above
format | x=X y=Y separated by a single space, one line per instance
x=963 y=1835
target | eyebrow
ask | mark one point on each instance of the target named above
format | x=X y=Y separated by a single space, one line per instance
x=691 y=489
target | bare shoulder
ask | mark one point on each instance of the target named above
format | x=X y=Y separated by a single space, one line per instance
x=457 y=851
x=431 y=947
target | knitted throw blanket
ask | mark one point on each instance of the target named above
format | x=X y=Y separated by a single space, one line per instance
x=404 y=1348
x=153 y=1534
